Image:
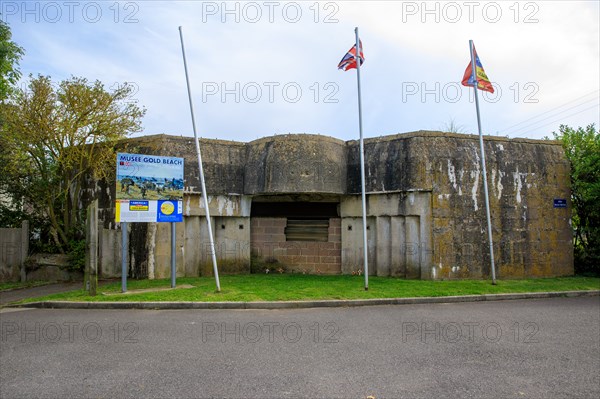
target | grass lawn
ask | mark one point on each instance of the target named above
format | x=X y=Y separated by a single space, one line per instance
x=291 y=287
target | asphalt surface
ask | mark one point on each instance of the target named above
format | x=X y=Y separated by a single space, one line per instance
x=537 y=348
x=43 y=290
x=24 y=293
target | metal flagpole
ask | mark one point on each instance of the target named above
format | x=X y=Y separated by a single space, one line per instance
x=485 y=186
x=203 y=186
x=362 y=164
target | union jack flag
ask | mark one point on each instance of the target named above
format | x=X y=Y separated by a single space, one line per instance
x=349 y=60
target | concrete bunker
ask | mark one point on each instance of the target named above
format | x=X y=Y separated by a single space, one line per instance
x=294 y=200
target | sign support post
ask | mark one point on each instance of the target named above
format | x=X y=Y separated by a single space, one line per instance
x=173 y=253
x=124 y=257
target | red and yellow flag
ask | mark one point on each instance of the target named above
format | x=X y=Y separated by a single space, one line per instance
x=483 y=82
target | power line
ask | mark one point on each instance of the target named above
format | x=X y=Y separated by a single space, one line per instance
x=558 y=113
x=550 y=110
x=565 y=117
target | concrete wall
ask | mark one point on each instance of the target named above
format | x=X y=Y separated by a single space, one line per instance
x=10 y=254
x=150 y=248
x=426 y=211
x=232 y=245
x=300 y=163
x=14 y=244
x=17 y=265
x=109 y=248
x=51 y=267
x=399 y=234
x=531 y=237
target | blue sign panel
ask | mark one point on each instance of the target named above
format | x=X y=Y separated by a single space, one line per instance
x=560 y=203
x=170 y=211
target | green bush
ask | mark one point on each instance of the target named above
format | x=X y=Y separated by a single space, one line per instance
x=582 y=148
x=76 y=255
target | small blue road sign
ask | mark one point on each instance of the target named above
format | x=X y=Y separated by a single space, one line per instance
x=560 y=203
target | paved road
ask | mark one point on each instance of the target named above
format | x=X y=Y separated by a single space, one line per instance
x=547 y=348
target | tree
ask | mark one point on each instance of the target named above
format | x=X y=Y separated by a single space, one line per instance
x=10 y=54
x=56 y=138
x=582 y=148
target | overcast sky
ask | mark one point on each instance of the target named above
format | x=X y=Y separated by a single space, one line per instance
x=270 y=67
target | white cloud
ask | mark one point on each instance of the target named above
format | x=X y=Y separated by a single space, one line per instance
x=552 y=61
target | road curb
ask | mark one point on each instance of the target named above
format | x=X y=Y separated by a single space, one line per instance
x=303 y=304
